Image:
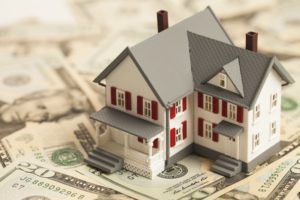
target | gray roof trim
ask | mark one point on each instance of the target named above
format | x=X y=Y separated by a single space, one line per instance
x=116 y=62
x=146 y=79
x=112 y=66
x=281 y=72
x=228 y=129
x=127 y=123
x=217 y=20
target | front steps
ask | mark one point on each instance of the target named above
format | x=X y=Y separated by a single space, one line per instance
x=227 y=166
x=104 y=161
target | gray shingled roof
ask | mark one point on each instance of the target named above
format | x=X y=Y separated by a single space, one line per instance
x=182 y=58
x=228 y=129
x=208 y=57
x=164 y=59
x=128 y=123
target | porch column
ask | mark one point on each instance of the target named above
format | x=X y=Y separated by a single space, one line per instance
x=149 y=144
x=98 y=133
x=125 y=143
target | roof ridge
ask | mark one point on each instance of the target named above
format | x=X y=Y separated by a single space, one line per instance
x=231 y=45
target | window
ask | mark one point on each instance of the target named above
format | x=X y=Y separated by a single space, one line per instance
x=208 y=102
x=273 y=128
x=232 y=111
x=121 y=98
x=208 y=130
x=274 y=99
x=147 y=108
x=256 y=140
x=178 y=134
x=222 y=80
x=257 y=112
x=178 y=106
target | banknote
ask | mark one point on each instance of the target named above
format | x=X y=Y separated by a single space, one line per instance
x=38 y=93
x=31 y=180
x=110 y=47
x=280 y=180
x=63 y=144
x=185 y=179
x=228 y=9
x=33 y=31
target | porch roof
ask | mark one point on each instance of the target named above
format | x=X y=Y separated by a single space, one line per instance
x=127 y=123
x=228 y=129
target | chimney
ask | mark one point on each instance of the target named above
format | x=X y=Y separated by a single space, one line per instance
x=251 y=41
x=162 y=20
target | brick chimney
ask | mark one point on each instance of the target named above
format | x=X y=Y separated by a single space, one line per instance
x=251 y=41
x=162 y=20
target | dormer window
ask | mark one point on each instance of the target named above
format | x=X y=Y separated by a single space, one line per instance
x=222 y=80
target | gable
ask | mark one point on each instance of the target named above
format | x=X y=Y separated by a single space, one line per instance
x=128 y=77
x=219 y=77
x=164 y=59
x=229 y=78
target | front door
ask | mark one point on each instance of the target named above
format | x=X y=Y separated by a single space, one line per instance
x=232 y=147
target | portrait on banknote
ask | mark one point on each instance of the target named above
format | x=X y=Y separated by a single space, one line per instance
x=41 y=107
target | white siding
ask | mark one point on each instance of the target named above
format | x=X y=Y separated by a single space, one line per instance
x=188 y=116
x=127 y=77
x=224 y=145
x=262 y=125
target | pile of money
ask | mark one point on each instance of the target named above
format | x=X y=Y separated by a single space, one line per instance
x=47 y=94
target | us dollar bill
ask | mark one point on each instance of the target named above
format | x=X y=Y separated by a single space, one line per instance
x=37 y=95
x=279 y=180
x=31 y=180
x=62 y=144
x=188 y=178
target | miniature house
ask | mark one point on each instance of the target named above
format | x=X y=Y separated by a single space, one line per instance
x=186 y=90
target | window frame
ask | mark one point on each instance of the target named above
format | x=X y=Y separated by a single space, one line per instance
x=257 y=112
x=274 y=100
x=121 y=99
x=147 y=108
x=208 y=103
x=208 y=132
x=273 y=130
x=222 y=78
x=256 y=141
x=178 y=134
x=178 y=106
x=231 y=111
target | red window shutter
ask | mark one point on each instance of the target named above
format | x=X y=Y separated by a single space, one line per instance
x=128 y=100
x=155 y=143
x=113 y=95
x=140 y=105
x=184 y=103
x=154 y=108
x=200 y=127
x=215 y=105
x=184 y=134
x=140 y=139
x=224 y=108
x=172 y=111
x=200 y=99
x=172 y=137
x=240 y=114
x=215 y=135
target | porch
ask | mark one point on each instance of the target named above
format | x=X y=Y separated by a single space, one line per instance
x=137 y=141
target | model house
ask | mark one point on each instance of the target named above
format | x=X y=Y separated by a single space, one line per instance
x=186 y=90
